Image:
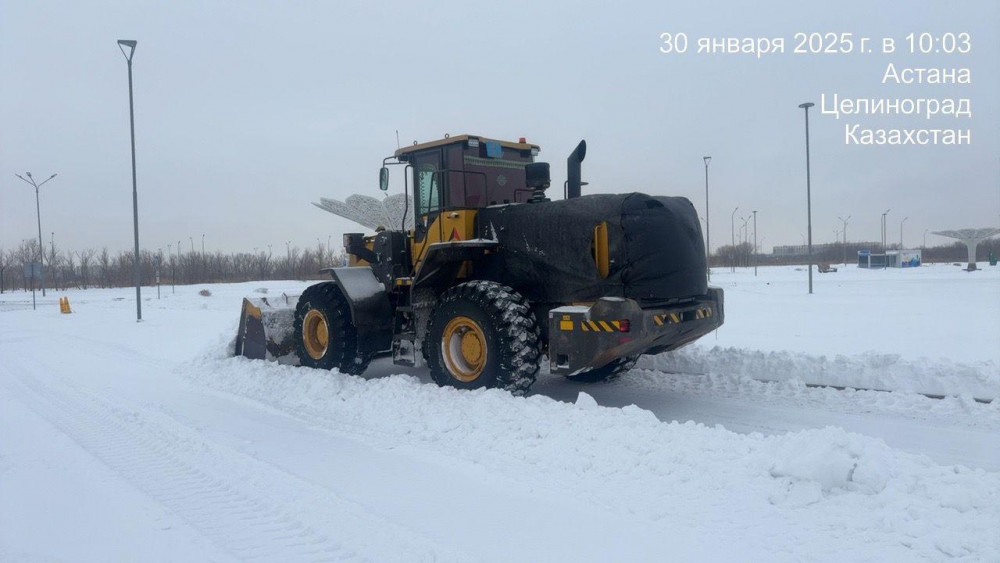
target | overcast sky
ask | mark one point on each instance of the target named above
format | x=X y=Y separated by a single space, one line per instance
x=248 y=111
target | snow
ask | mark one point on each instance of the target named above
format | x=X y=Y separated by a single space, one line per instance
x=937 y=311
x=570 y=309
x=869 y=370
x=126 y=441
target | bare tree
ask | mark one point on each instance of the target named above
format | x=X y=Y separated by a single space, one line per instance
x=69 y=270
x=104 y=265
x=86 y=257
x=5 y=260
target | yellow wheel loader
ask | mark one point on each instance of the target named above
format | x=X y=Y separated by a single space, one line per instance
x=493 y=275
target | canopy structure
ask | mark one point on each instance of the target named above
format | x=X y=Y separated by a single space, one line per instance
x=971 y=238
x=370 y=212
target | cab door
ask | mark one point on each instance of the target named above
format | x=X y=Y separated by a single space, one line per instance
x=428 y=194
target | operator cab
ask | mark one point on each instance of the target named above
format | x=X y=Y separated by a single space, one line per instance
x=468 y=171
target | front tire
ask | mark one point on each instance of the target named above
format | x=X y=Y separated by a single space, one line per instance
x=483 y=334
x=324 y=335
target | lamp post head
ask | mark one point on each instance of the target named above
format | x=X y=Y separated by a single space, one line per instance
x=806 y=105
x=28 y=174
x=130 y=43
x=707 y=159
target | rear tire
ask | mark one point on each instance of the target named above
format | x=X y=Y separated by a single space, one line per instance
x=324 y=335
x=483 y=334
x=609 y=372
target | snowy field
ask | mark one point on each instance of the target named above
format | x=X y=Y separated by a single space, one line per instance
x=125 y=441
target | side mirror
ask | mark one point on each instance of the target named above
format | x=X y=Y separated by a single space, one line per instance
x=383 y=179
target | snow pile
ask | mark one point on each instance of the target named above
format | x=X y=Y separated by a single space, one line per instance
x=128 y=449
x=809 y=494
x=889 y=372
x=937 y=312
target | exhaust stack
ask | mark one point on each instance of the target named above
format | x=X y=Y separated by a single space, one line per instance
x=573 y=183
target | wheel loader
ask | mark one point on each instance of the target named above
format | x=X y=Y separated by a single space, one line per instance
x=494 y=276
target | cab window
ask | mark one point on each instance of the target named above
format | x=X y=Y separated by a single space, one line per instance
x=428 y=180
x=427 y=187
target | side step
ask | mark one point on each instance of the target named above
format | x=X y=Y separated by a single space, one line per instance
x=404 y=350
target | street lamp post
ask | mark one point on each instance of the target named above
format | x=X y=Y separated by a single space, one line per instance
x=159 y=264
x=754 y=243
x=884 y=214
x=901 y=236
x=844 y=221
x=708 y=230
x=173 y=269
x=744 y=236
x=52 y=260
x=806 y=107
x=122 y=43
x=38 y=212
x=732 y=234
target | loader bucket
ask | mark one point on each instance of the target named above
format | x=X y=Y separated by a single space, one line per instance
x=265 y=331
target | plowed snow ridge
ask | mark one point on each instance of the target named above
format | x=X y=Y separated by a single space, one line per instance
x=839 y=488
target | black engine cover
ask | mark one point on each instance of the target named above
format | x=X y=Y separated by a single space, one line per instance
x=655 y=245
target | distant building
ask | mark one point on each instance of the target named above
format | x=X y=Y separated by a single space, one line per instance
x=798 y=249
x=803 y=250
x=891 y=259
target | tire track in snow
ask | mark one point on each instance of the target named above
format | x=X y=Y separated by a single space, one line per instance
x=198 y=498
x=240 y=523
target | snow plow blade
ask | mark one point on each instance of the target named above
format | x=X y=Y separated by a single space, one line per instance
x=265 y=331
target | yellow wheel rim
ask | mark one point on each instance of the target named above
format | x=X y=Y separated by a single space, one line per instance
x=463 y=347
x=315 y=334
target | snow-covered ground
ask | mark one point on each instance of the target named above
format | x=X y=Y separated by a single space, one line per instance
x=125 y=441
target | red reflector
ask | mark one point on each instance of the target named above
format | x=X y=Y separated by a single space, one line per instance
x=624 y=325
